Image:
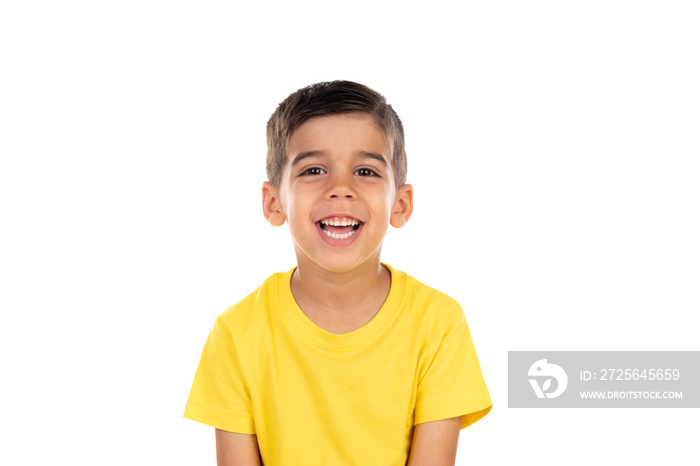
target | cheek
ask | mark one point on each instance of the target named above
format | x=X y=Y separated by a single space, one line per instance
x=383 y=204
x=297 y=202
x=391 y=200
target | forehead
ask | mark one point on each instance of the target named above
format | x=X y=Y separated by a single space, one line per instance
x=351 y=132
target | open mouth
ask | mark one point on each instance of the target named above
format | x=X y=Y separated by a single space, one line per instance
x=339 y=227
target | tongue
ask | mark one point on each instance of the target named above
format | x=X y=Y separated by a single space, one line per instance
x=339 y=230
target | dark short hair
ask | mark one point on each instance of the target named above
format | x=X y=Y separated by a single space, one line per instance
x=332 y=98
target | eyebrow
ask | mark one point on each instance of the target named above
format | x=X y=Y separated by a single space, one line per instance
x=372 y=155
x=316 y=153
x=304 y=155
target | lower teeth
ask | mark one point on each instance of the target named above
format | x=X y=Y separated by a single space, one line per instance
x=337 y=236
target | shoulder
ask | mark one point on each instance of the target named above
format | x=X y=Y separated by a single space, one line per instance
x=253 y=310
x=430 y=304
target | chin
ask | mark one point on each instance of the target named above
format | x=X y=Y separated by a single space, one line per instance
x=339 y=263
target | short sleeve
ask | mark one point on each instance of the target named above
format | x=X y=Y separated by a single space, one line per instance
x=453 y=384
x=219 y=396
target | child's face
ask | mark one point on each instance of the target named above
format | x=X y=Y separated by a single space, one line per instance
x=338 y=192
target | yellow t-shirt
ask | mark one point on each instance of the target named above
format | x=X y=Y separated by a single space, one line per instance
x=313 y=397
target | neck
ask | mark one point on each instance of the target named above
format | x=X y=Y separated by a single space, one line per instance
x=341 y=302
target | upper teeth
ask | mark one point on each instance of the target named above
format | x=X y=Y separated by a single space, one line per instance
x=340 y=222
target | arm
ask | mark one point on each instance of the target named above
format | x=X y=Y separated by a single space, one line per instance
x=435 y=443
x=236 y=449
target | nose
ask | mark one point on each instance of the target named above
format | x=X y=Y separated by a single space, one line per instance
x=341 y=187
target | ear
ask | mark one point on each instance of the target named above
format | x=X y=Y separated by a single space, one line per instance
x=403 y=206
x=272 y=210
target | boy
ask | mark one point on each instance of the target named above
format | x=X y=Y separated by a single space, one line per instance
x=343 y=360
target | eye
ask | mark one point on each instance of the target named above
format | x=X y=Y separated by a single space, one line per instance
x=313 y=171
x=365 y=172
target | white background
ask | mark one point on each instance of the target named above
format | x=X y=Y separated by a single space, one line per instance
x=553 y=147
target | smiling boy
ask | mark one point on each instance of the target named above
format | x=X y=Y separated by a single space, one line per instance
x=343 y=360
